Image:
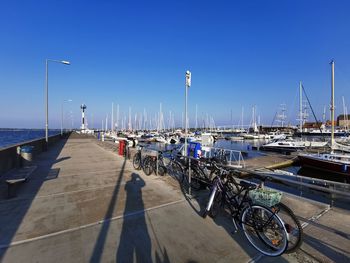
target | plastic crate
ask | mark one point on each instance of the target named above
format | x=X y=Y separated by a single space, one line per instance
x=265 y=196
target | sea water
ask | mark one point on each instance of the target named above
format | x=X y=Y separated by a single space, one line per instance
x=10 y=137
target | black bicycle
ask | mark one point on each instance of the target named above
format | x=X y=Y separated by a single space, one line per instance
x=154 y=164
x=173 y=165
x=263 y=228
x=137 y=159
x=202 y=172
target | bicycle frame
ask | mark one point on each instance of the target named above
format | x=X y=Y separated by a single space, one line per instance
x=235 y=204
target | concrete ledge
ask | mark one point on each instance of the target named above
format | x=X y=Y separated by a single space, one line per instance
x=9 y=158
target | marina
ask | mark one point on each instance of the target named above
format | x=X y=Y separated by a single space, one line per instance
x=174 y=132
x=56 y=210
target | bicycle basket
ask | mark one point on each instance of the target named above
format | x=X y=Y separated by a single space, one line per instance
x=265 y=197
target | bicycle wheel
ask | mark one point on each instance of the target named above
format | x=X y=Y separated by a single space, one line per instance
x=264 y=230
x=177 y=171
x=148 y=165
x=161 y=170
x=195 y=179
x=136 y=161
x=292 y=225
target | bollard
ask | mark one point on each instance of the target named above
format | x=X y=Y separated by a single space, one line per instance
x=19 y=158
x=27 y=155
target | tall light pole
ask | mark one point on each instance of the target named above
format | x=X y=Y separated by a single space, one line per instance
x=47 y=96
x=188 y=84
x=69 y=100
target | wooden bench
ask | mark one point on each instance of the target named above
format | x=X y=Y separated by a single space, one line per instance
x=16 y=177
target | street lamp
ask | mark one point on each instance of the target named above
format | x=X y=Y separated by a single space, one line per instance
x=188 y=84
x=47 y=96
x=69 y=100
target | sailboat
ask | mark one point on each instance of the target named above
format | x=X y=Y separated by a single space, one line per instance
x=334 y=163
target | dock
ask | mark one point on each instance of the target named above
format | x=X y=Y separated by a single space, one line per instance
x=85 y=203
x=270 y=161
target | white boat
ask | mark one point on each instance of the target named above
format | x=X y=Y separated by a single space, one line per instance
x=250 y=136
x=287 y=145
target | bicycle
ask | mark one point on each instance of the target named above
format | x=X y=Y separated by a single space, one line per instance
x=291 y=222
x=174 y=167
x=202 y=172
x=150 y=164
x=137 y=159
x=262 y=227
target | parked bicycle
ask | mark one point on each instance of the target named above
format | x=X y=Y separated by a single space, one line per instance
x=154 y=164
x=173 y=165
x=202 y=172
x=291 y=222
x=263 y=228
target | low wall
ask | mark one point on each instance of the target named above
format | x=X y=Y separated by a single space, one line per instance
x=9 y=158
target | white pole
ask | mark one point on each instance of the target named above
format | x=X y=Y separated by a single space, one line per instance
x=112 y=118
x=300 y=107
x=345 y=119
x=196 y=116
x=332 y=107
x=117 y=116
x=129 y=124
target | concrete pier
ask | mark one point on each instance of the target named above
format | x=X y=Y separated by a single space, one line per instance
x=84 y=203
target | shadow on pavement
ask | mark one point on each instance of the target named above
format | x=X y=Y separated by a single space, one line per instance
x=224 y=220
x=13 y=211
x=134 y=238
x=101 y=239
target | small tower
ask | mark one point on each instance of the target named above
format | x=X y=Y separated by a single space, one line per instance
x=83 y=124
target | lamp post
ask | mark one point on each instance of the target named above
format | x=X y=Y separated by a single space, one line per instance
x=47 y=96
x=69 y=100
x=188 y=84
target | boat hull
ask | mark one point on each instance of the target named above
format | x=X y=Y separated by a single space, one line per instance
x=324 y=165
x=280 y=149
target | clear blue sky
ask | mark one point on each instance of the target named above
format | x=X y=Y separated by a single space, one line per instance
x=135 y=53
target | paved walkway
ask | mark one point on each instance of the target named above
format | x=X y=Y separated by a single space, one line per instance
x=86 y=204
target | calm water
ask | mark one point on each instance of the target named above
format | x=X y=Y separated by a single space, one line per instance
x=11 y=137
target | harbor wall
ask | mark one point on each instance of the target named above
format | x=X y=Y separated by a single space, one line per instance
x=10 y=156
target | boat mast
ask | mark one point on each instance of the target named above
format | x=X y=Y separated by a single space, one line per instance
x=242 y=119
x=300 y=107
x=117 y=124
x=332 y=107
x=196 y=116
x=345 y=115
x=112 y=118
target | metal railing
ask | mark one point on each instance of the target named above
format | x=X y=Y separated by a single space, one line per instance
x=234 y=158
x=302 y=185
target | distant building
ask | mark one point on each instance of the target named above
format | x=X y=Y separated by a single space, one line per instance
x=343 y=120
x=309 y=125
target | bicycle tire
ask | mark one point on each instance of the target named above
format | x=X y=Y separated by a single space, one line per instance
x=264 y=230
x=161 y=170
x=292 y=225
x=136 y=161
x=148 y=166
x=195 y=182
x=177 y=171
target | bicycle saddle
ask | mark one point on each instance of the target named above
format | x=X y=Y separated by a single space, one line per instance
x=247 y=185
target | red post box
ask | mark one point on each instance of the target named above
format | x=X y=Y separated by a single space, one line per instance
x=121 y=147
